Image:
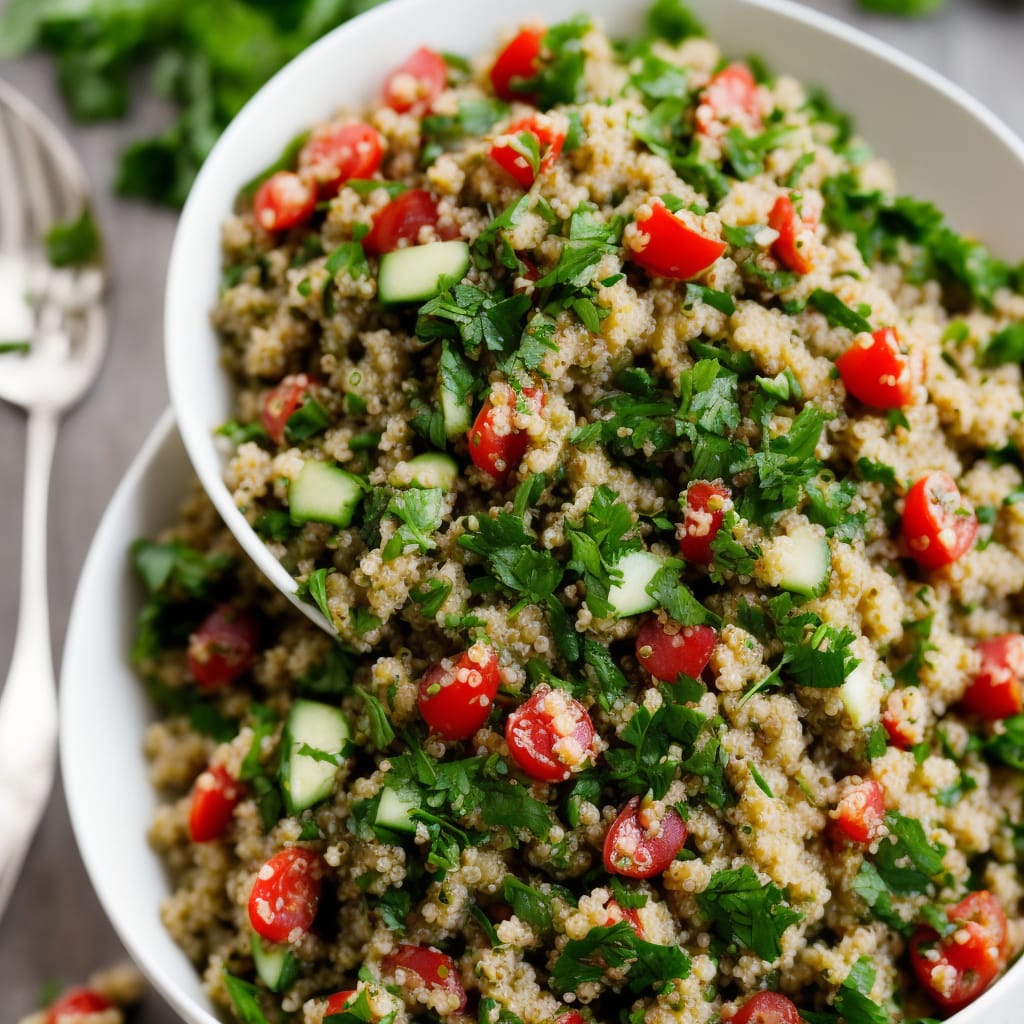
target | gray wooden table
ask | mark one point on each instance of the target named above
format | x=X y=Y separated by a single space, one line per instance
x=54 y=928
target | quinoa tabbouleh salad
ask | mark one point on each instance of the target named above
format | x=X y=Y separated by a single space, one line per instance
x=659 y=469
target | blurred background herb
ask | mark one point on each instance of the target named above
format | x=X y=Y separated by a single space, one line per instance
x=205 y=56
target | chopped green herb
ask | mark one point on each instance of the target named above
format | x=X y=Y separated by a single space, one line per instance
x=74 y=243
x=746 y=911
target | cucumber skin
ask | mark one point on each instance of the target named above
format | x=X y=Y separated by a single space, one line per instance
x=397 y=818
x=286 y=972
x=316 y=479
x=635 y=561
x=434 y=469
x=289 y=751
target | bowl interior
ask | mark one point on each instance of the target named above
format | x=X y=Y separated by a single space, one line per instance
x=937 y=143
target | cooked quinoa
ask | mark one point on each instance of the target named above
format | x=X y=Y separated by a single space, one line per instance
x=672 y=546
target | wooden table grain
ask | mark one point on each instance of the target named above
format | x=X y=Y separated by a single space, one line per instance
x=54 y=928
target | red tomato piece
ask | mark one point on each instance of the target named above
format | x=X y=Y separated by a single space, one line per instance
x=337 y=1002
x=641 y=843
x=430 y=966
x=516 y=64
x=281 y=401
x=878 y=371
x=938 y=525
x=75 y=1003
x=222 y=648
x=401 y=221
x=668 y=248
x=214 y=798
x=416 y=83
x=860 y=813
x=497 y=439
x=456 y=695
x=767 y=1008
x=901 y=732
x=667 y=649
x=729 y=99
x=335 y=153
x=551 y=735
x=286 y=894
x=706 y=505
x=995 y=691
x=511 y=156
x=617 y=913
x=283 y=201
x=572 y=1017
x=791 y=248
x=957 y=968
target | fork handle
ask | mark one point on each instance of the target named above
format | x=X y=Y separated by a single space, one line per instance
x=28 y=702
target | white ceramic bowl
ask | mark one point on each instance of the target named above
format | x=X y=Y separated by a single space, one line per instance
x=104 y=712
x=941 y=142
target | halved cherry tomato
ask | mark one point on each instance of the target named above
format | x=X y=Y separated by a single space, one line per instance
x=899 y=721
x=572 y=1017
x=337 y=1002
x=517 y=63
x=790 y=248
x=617 y=913
x=551 y=735
x=877 y=371
x=767 y=1008
x=729 y=99
x=510 y=155
x=337 y=152
x=286 y=894
x=860 y=813
x=280 y=402
x=641 y=842
x=667 y=649
x=416 y=83
x=222 y=648
x=705 y=508
x=995 y=691
x=75 y=1003
x=430 y=966
x=957 y=968
x=938 y=525
x=497 y=440
x=214 y=798
x=282 y=201
x=401 y=221
x=666 y=247
x=456 y=695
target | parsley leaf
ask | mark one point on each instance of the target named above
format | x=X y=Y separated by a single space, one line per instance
x=617 y=947
x=381 y=733
x=560 y=75
x=245 y=997
x=907 y=841
x=527 y=903
x=676 y=598
x=598 y=543
x=509 y=553
x=75 y=242
x=420 y=510
x=747 y=911
x=1007 y=746
x=853 y=1000
x=1005 y=346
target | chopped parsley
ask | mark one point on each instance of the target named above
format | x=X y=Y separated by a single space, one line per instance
x=420 y=512
x=748 y=912
x=74 y=243
x=617 y=947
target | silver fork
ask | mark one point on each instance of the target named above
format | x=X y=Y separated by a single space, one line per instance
x=59 y=314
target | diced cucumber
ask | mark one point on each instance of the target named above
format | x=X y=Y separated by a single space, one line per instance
x=629 y=596
x=434 y=469
x=277 y=966
x=861 y=696
x=395 y=809
x=806 y=561
x=324 y=493
x=415 y=274
x=456 y=414
x=307 y=780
